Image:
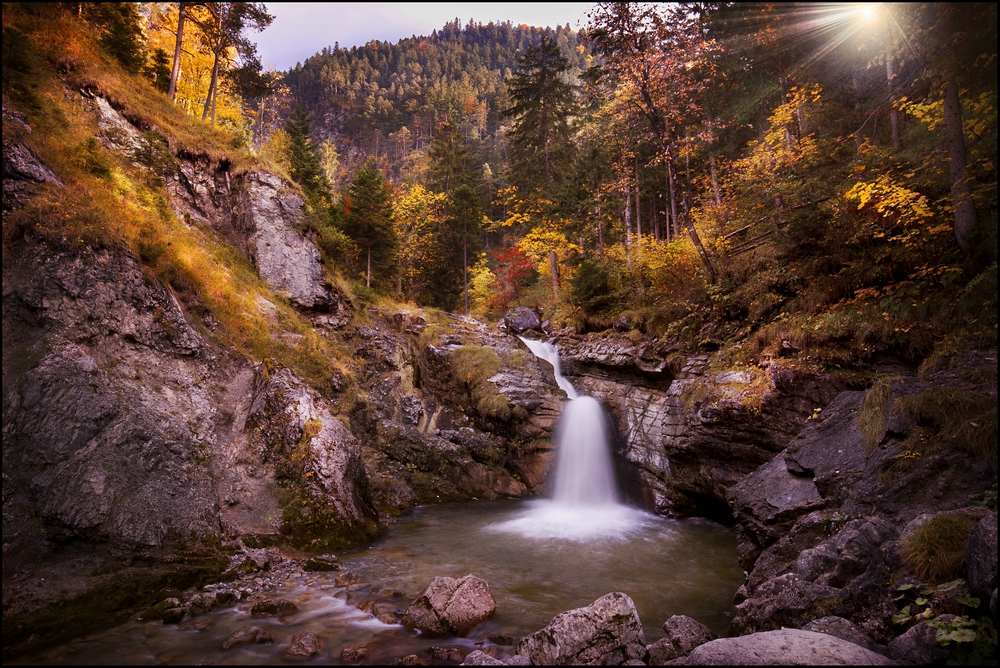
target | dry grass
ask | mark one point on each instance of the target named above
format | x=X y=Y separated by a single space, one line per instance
x=872 y=418
x=936 y=551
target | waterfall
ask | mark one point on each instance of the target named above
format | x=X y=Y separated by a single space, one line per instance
x=548 y=352
x=584 y=503
x=584 y=473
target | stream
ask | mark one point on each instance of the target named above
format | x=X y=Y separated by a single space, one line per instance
x=668 y=567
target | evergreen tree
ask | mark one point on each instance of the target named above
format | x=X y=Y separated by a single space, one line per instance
x=120 y=26
x=458 y=240
x=451 y=165
x=305 y=168
x=368 y=221
x=542 y=102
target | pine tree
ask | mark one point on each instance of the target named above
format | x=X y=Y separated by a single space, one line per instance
x=368 y=222
x=305 y=168
x=451 y=164
x=542 y=102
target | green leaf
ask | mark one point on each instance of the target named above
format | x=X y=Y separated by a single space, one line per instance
x=947 y=586
x=920 y=600
x=904 y=587
x=968 y=601
x=958 y=635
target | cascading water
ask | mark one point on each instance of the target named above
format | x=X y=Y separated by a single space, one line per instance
x=584 y=502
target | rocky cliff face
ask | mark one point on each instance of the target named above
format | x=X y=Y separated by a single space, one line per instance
x=692 y=432
x=131 y=432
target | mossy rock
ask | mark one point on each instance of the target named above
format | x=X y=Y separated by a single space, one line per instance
x=168 y=611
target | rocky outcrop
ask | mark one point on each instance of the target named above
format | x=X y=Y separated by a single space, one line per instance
x=451 y=607
x=981 y=557
x=821 y=524
x=258 y=212
x=692 y=433
x=23 y=172
x=784 y=647
x=452 y=410
x=607 y=632
x=127 y=432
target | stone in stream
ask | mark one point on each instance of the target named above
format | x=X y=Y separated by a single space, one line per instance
x=303 y=645
x=322 y=562
x=451 y=607
x=270 y=607
x=248 y=635
x=785 y=647
x=607 y=632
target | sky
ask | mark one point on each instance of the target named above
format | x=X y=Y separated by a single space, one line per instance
x=302 y=29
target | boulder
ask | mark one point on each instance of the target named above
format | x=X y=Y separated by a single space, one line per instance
x=303 y=645
x=683 y=635
x=917 y=646
x=784 y=647
x=451 y=607
x=787 y=600
x=248 y=635
x=322 y=562
x=981 y=557
x=607 y=632
x=844 y=629
x=521 y=319
x=270 y=607
x=481 y=658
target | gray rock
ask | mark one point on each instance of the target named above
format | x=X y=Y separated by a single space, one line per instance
x=481 y=658
x=683 y=635
x=271 y=607
x=786 y=600
x=248 y=635
x=303 y=645
x=981 y=557
x=521 y=319
x=841 y=628
x=784 y=647
x=322 y=562
x=607 y=632
x=451 y=607
x=918 y=646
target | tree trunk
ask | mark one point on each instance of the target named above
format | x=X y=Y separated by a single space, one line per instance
x=961 y=192
x=894 y=121
x=638 y=215
x=715 y=180
x=465 y=269
x=600 y=228
x=672 y=180
x=628 y=221
x=175 y=70
x=211 y=87
x=368 y=274
x=554 y=267
x=693 y=233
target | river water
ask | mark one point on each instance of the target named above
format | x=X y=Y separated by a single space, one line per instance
x=535 y=570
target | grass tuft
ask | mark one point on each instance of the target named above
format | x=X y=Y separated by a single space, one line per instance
x=936 y=551
x=872 y=418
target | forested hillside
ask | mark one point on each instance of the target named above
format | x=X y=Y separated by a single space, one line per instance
x=796 y=179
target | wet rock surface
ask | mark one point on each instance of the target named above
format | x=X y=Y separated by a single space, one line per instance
x=785 y=647
x=607 y=632
x=451 y=606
